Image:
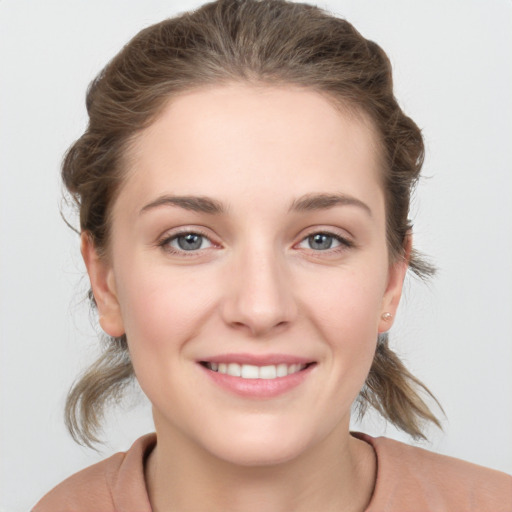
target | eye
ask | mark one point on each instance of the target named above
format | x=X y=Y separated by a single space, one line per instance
x=323 y=242
x=186 y=242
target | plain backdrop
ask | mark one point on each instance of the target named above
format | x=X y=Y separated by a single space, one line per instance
x=453 y=73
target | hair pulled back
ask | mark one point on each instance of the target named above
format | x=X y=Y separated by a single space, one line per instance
x=271 y=42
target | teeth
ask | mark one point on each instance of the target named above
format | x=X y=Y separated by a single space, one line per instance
x=249 y=371
x=268 y=372
x=234 y=370
x=282 y=370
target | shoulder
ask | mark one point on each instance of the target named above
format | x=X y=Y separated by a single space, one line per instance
x=411 y=478
x=104 y=486
x=85 y=490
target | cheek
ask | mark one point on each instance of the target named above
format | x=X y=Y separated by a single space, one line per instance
x=347 y=302
x=346 y=310
x=162 y=310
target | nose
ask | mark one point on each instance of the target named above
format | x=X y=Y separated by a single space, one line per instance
x=259 y=294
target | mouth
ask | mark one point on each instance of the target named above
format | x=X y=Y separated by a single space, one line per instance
x=250 y=371
x=257 y=376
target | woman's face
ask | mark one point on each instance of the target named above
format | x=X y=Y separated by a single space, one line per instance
x=249 y=238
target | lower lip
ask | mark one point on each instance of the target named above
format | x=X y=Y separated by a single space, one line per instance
x=258 y=388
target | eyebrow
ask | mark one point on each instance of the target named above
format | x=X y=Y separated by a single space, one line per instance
x=310 y=202
x=192 y=203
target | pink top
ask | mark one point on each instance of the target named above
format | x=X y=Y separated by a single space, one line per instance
x=409 y=479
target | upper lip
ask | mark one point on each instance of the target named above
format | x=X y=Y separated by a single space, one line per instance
x=257 y=359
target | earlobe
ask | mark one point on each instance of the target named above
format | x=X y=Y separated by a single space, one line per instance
x=103 y=287
x=393 y=293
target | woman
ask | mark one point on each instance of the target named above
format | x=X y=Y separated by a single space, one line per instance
x=244 y=188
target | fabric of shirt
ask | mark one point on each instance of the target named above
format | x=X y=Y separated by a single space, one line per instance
x=409 y=479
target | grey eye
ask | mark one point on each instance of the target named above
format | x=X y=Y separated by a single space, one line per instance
x=323 y=242
x=320 y=241
x=190 y=242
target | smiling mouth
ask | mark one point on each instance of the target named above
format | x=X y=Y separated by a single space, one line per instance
x=249 y=371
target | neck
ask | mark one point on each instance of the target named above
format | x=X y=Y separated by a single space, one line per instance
x=337 y=474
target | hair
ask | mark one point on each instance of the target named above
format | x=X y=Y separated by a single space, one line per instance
x=268 y=42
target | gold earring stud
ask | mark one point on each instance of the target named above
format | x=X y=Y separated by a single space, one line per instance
x=386 y=316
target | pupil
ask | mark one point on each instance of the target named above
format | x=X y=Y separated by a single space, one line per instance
x=190 y=242
x=320 y=241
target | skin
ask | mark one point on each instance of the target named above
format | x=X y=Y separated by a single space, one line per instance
x=257 y=286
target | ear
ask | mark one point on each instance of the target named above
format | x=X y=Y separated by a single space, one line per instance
x=393 y=293
x=103 y=287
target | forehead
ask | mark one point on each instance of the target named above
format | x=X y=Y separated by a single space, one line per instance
x=229 y=140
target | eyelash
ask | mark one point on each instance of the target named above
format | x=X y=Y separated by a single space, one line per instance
x=165 y=242
x=344 y=243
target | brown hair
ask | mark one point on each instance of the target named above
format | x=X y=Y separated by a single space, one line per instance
x=259 y=41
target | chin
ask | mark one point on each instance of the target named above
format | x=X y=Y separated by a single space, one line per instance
x=260 y=444
x=258 y=452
